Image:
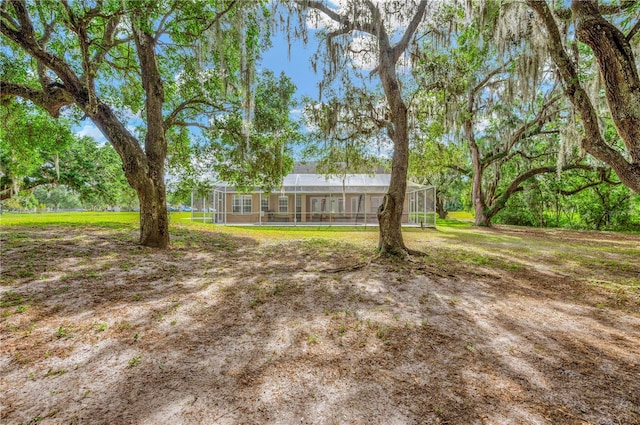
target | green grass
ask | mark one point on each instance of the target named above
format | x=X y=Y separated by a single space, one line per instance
x=11 y=299
x=101 y=219
x=181 y=220
x=460 y=215
x=452 y=222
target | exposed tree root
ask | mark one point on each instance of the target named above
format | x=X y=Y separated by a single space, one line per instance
x=350 y=268
x=431 y=270
x=416 y=253
x=408 y=254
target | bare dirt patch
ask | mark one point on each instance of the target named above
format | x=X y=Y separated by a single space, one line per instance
x=508 y=327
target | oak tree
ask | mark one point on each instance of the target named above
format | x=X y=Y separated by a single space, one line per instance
x=139 y=70
x=377 y=34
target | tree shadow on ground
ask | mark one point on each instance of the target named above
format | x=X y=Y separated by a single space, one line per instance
x=259 y=334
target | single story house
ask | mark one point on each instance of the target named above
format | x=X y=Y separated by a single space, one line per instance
x=314 y=199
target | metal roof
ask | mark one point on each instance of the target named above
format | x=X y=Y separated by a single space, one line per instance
x=320 y=183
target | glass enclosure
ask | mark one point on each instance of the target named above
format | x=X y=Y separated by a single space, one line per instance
x=314 y=199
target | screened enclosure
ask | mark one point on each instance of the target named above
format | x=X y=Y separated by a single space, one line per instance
x=314 y=199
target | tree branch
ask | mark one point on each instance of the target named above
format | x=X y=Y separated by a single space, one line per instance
x=604 y=9
x=633 y=31
x=164 y=18
x=79 y=27
x=463 y=171
x=191 y=124
x=155 y=144
x=617 y=67
x=336 y=17
x=52 y=99
x=501 y=200
x=400 y=47
x=604 y=177
x=9 y=19
x=488 y=77
x=108 y=40
x=26 y=39
x=187 y=104
x=524 y=131
x=593 y=141
x=219 y=15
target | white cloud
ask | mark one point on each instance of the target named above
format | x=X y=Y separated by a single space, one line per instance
x=92 y=131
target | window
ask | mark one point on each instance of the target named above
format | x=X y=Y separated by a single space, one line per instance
x=337 y=205
x=357 y=204
x=264 y=203
x=283 y=204
x=317 y=204
x=241 y=204
x=376 y=201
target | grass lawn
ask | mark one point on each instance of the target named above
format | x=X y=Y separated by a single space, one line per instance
x=237 y=325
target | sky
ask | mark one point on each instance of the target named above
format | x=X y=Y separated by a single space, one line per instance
x=296 y=65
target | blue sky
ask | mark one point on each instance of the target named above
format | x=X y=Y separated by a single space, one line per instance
x=296 y=65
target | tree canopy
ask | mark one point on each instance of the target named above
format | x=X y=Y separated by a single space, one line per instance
x=39 y=151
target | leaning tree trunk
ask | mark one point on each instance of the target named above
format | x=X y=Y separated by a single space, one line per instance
x=618 y=69
x=144 y=172
x=144 y=169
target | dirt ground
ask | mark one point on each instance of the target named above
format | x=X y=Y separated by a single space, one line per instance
x=497 y=326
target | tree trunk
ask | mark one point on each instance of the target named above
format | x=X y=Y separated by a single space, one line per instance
x=479 y=204
x=477 y=194
x=144 y=173
x=391 y=209
x=390 y=225
x=154 y=220
x=482 y=219
x=442 y=213
x=617 y=68
x=390 y=212
x=154 y=223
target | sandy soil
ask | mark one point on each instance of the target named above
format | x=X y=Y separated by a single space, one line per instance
x=223 y=329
